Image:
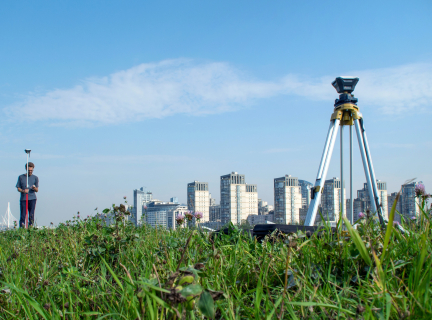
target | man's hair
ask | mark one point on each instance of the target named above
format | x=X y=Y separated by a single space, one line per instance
x=31 y=165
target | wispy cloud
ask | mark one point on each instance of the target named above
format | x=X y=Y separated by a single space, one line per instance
x=151 y=158
x=166 y=88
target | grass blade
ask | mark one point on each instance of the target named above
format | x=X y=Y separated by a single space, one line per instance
x=112 y=273
x=389 y=227
x=358 y=242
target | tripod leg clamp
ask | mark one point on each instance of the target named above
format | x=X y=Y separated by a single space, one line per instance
x=314 y=191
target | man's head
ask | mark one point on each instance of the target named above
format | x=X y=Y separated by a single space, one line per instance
x=30 y=168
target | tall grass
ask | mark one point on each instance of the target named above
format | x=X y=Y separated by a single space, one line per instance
x=85 y=270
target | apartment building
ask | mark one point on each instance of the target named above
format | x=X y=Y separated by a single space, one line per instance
x=157 y=213
x=238 y=199
x=362 y=202
x=331 y=200
x=198 y=199
x=305 y=192
x=215 y=213
x=141 y=198
x=410 y=206
x=287 y=200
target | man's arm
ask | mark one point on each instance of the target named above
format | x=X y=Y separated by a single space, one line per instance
x=35 y=187
x=19 y=189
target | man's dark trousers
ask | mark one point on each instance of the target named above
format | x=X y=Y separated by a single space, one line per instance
x=31 y=208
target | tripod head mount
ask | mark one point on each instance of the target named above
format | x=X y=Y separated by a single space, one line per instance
x=345 y=98
x=345 y=108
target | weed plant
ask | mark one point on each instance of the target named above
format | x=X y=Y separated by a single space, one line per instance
x=86 y=270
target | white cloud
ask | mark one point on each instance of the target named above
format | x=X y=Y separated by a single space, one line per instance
x=397 y=90
x=151 y=158
x=157 y=90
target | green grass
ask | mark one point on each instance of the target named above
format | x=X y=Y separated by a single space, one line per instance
x=87 y=271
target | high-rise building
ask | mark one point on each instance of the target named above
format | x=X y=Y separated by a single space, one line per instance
x=362 y=202
x=331 y=200
x=390 y=200
x=174 y=200
x=212 y=201
x=215 y=213
x=305 y=192
x=158 y=212
x=238 y=199
x=198 y=198
x=141 y=198
x=410 y=207
x=306 y=198
x=287 y=200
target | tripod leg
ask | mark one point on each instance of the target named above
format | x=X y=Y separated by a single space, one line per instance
x=351 y=180
x=342 y=196
x=365 y=165
x=372 y=173
x=325 y=151
x=322 y=173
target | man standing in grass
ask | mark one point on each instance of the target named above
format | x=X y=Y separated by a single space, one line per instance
x=21 y=186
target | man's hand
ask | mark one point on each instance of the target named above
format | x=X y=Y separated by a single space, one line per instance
x=26 y=190
x=34 y=188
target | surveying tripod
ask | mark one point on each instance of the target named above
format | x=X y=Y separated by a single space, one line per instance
x=346 y=113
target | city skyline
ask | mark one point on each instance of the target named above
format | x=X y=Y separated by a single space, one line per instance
x=293 y=202
x=111 y=96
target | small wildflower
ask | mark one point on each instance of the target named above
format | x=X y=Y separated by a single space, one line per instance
x=361 y=215
x=396 y=223
x=189 y=215
x=124 y=197
x=420 y=189
x=145 y=207
x=198 y=215
x=180 y=218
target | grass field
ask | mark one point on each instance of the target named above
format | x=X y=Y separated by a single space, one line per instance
x=84 y=270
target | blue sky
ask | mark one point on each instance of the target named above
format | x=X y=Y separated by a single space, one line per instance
x=115 y=95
